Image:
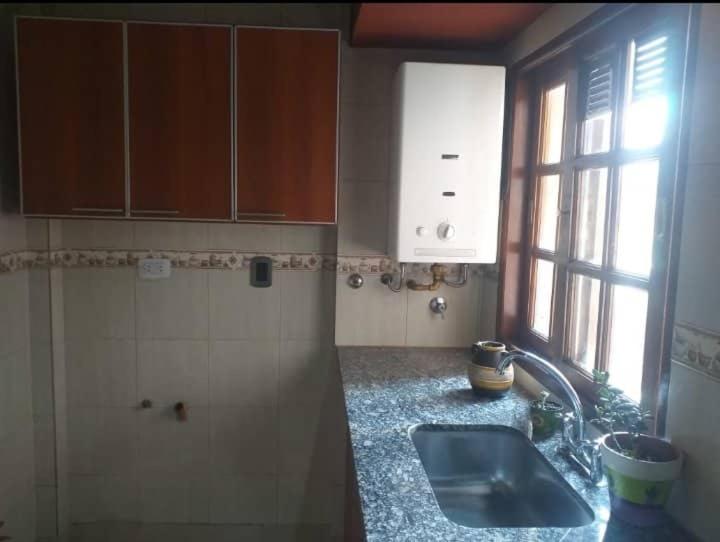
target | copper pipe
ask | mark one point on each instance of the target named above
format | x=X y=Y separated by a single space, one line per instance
x=438 y=273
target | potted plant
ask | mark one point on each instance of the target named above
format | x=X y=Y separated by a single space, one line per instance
x=640 y=469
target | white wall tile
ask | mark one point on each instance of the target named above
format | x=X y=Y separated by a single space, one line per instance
x=12 y=232
x=225 y=533
x=296 y=533
x=371 y=315
x=704 y=125
x=99 y=303
x=44 y=451
x=163 y=505
x=101 y=372
x=171 y=453
x=243 y=441
x=117 y=450
x=14 y=312
x=322 y=239
x=42 y=379
x=487 y=308
x=692 y=397
x=46 y=511
x=458 y=328
x=170 y=235
x=305 y=369
x=364 y=142
x=243 y=373
x=85 y=498
x=246 y=237
x=367 y=76
x=363 y=226
x=39 y=306
x=308 y=303
x=697 y=296
x=112 y=234
x=85 y=432
x=241 y=311
x=300 y=502
x=312 y=440
x=36 y=232
x=174 y=308
x=120 y=499
x=171 y=371
x=244 y=499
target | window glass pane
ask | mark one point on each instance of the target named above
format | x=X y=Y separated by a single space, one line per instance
x=552 y=125
x=636 y=217
x=547 y=211
x=542 y=297
x=646 y=109
x=584 y=312
x=590 y=226
x=627 y=339
x=596 y=133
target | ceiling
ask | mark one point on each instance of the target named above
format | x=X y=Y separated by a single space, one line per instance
x=441 y=25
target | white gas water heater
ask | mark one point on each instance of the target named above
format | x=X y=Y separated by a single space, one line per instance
x=446 y=161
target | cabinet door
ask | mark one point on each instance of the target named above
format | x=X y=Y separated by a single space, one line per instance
x=287 y=82
x=70 y=88
x=180 y=121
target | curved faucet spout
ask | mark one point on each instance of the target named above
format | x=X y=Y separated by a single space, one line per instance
x=583 y=452
x=555 y=374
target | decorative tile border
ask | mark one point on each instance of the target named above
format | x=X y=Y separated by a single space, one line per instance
x=697 y=348
x=22 y=259
x=216 y=259
x=189 y=259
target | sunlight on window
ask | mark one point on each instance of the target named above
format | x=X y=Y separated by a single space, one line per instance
x=542 y=302
x=547 y=202
x=627 y=339
x=553 y=121
x=596 y=133
x=645 y=122
x=584 y=313
x=646 y=111
x=636 y=217
x=590 y=220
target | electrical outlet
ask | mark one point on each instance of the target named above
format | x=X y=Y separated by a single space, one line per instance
x=153 y=268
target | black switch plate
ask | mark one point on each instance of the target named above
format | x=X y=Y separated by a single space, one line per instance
x=261 y=272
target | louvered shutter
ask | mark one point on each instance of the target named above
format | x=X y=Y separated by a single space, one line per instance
x=598 y=91
x=649 y=67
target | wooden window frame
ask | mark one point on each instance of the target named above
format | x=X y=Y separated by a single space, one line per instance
x=559 y=60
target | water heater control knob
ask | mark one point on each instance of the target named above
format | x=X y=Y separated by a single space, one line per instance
x=446 y=231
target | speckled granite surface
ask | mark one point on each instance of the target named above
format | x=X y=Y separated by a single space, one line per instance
x=388 y=390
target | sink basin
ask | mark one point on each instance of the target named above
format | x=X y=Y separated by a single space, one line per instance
x=493 y=476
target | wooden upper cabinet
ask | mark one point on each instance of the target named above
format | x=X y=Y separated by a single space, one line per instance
x=180 y=120
x=286 y=107
x=70 y=95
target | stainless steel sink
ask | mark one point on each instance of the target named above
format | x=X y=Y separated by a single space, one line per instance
x=493 y=476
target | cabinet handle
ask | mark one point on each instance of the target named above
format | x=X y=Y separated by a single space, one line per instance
x=260 y=214
x=95 y=210
x=153 y=212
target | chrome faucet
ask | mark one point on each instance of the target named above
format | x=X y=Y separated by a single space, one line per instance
x=579 y=450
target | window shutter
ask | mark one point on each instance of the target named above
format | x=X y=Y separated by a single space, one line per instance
x=599 y=89
x=649 y=67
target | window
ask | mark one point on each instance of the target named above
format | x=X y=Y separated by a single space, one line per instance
x=594 y=189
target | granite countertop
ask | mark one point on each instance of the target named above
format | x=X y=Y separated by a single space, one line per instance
x=388 y=390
